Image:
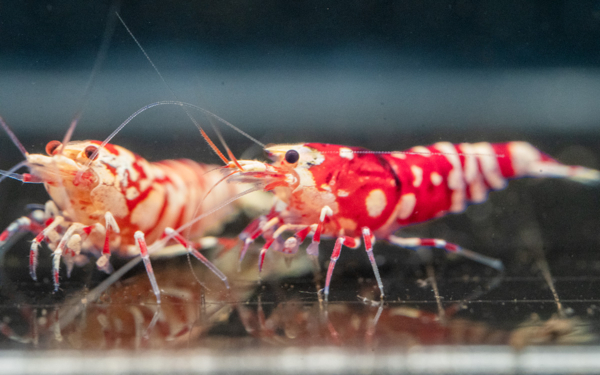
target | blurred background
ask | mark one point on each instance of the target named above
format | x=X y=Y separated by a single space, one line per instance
x=308 y=70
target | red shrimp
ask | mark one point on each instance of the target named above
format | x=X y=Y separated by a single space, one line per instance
x=345 y=192
x=109 y=199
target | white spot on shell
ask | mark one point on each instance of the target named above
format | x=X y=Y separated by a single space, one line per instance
x=473 y=177
x=418 y=174
x=346 y=153
x=131 y=193
x=436 y=179
x=376 y=202
x=407 y=205
x=421 y=150
x=455 y=181
x=455 y=178
x=342 y=193
x=488 y=161
x=399 y=155
x=306 y=177
x=523 y=155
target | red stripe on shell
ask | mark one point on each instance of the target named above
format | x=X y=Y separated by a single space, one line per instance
x=504 y=159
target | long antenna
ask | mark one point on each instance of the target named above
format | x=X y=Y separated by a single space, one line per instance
x=229 y=153
x=102 y=52
x=11 y=172
x=204 y=135
x=13 y=138
x=171 y=102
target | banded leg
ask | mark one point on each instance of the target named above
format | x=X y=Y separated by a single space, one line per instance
x=103 y=263
x=33 y=223
x=414 y=243
x=335 y=255
x=190 y=248
x=140 y=241
x=263 y=252
x=262 y=228
x=35 y=244
x=369 y=239
x=53 y=219
x=313 y=248
x=74 y=230
x=290 y=246
x=22 y=224
x=72 y=252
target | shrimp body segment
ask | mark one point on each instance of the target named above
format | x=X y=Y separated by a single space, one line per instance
x=111 y=199
x=351 y=193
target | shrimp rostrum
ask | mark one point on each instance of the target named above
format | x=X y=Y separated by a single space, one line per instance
x=105 y=198
x=349 y=193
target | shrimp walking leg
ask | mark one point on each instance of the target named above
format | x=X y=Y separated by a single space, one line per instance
x=140 y=241
x=103 y=262
x=313 y=248
x=22 y=224
x=262 y=228
x=65 y=243
x=190 y=248
x=35 y=244
x=263 y=252
x=289 y=246
x=414 y=243
x=292 y=244
x=369 y=239
x=32 y=223
x=335 y=255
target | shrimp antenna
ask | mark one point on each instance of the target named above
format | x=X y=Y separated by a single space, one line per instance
x=206 y=196
x=13 y=138
x=102 y=52
x=181 y=104
x=226 y=203
x=204 y=135
x=162 y=242
x=222 y=167
x=214 y=186
x=229 y=153
x=11 y=172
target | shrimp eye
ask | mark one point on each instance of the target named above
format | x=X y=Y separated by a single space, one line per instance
x=52 y=147
x=89 y=152
x=292 y=156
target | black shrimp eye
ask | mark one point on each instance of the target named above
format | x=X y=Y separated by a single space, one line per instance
x=52 y=146
x=89 y=152
x=292 y=156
